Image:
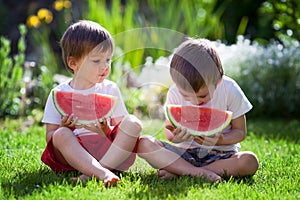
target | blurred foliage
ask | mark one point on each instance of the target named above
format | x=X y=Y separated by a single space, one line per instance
x=11 y=75
x=269 y=75
x=259 y=19
x=23 y=85
x=38 y=89
x=43 y=27
x=281 y=17
x=132 y=24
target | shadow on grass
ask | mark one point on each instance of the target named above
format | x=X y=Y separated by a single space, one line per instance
x=24 y=184
x=151 y=187
x=287 y=129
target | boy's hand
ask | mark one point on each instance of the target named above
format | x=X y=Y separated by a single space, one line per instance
x=209 y=140
x=69 y=122
x=100 y=127
x=181 y=135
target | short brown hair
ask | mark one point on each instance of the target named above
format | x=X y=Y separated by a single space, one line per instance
x=195 y=64
x=82 y=37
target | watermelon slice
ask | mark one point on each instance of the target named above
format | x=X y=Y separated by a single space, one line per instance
x=198 y=120
x=87 y=108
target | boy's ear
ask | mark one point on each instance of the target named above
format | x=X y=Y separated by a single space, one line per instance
x=219 y=82
x=72 y=63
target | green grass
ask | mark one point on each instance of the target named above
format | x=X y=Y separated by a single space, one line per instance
x=276 y=142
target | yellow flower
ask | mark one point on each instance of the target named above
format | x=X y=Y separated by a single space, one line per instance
x=58 y=5
x=42 y=13
x=33 y=21
x=46 y=14
x=67 y=4
x=49 y=18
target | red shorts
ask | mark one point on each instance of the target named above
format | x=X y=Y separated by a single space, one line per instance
x=95 y=144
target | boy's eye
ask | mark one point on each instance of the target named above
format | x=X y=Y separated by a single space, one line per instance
x=107 y=61
x=202 y=97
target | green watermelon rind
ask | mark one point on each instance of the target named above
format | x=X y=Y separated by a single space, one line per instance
x=83 y=122
x=194 y=132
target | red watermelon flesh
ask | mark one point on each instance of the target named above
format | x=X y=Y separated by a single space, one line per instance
x=87 y=108
x=198 y=120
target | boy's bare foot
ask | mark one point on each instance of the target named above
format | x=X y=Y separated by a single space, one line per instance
x=82 y=178
x=110 y=179
x=209 y=175
x=164 y=174
x=113 y=181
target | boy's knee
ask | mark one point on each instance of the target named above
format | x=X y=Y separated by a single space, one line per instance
x=131 y=125
x=146 y=144
x=60 y=135
x=249 y=163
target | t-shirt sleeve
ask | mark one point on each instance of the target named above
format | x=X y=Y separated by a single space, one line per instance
x=238 y=102
x=51 y=115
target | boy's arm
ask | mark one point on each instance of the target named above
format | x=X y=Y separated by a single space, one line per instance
x=237 y=134
x=169 y=128
x=50 y=129
x=66 y=121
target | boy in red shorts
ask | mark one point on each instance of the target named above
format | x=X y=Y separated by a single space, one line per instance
x=96 y=150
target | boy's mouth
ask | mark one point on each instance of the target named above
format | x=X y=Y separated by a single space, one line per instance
x=102 y=75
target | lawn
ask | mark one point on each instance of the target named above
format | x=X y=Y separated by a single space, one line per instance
x=276 y=143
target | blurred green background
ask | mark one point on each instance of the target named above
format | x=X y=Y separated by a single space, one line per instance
x=258 y=43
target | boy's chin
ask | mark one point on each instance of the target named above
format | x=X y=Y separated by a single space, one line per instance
x=100 y=80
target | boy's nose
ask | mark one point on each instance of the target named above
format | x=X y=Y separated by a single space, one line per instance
x=193 y=100
x=103 y=66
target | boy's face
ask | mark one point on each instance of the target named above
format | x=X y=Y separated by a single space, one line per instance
x=202 y=96
x=95 y=67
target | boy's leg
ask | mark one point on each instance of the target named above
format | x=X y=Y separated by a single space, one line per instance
x=240 y=164
x=67 y=145
x=161 y=158
x=122 y=147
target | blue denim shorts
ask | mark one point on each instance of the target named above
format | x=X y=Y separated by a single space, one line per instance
x=199 y=157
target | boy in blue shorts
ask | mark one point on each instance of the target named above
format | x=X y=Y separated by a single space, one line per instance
x=199 y=79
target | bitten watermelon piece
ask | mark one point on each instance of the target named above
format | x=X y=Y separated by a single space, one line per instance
x=87 y=108
x=198 y=120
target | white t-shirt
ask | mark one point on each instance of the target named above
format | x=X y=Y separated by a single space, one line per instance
x=52 y=116
x=227 y=96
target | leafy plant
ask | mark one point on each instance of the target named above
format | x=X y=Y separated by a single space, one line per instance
x=22 y=88
x=11 y=75
x=154 y=30
x=280 y=17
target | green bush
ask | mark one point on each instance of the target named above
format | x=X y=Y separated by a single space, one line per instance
x=11 y=75
x=23 y=86
x=269 y=75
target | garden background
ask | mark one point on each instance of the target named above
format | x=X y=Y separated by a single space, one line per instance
x=258 y=42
